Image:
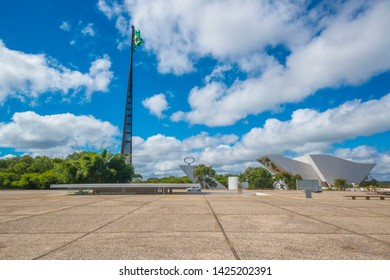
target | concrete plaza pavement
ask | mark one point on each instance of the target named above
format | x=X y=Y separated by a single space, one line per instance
x=51 y=224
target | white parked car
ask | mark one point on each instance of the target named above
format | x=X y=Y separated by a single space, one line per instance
x=194 y=189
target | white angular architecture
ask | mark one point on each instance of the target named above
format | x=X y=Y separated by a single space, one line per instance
x=189 y=171
x=324 y=168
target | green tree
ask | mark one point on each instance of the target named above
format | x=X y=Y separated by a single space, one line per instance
x=6 y=179
x=204 y=176
x=69 y=168
x=40 y=165
x=20 y=167
x=288 y=179
x=256 y=177
x=29 y=181
x=74 y=156
x=50 y=177
x=341 y=183
x=92 y=167
x=3 y=164
x=119 y=171
x=82 y=167
x=369 y=181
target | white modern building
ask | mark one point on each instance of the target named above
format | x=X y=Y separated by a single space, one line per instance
x=324 y=168
x=189 y=171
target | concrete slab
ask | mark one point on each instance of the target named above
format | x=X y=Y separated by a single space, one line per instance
x=325 y=210
x=133 y=198
x=182 y=197
x=364 y=225
x=179 y=203
x=30 y=246
x=231 y=202
x=29 y=210
x=274 y=224
x=58 y=204
x=10 y=218
x=284 y=225
x=251 y=209
x=171 y=210
x=292 y=246
x=97 y=210
x=116 y=203
x=163 y=223
x=361 y=203
x=384 y=237
x=149 y=245
x=377 y=210
x=57 y=223
x=288 y=202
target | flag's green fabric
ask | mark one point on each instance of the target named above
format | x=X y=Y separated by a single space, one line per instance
x=137 y=39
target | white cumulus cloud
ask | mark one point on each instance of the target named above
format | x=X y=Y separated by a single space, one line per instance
x=57 y=135
x=329 y=44
x=160 y=155
x=156 y=105
x=307 y=131
x=27 y=76
x=312 y=131
x=349 y=51
x=180 y=31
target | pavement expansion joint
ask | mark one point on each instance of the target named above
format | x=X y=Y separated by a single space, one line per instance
x=284 y=225
x=327 y=223
x=88 y=233
x=229 y=243
x=49 y=212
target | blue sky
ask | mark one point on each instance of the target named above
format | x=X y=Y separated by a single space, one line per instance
x=223 y=81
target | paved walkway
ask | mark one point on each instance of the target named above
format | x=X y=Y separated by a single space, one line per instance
x=214 y=225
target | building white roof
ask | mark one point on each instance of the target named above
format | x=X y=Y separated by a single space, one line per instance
x=324 y=168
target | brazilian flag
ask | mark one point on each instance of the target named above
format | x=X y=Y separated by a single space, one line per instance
x=137 y=40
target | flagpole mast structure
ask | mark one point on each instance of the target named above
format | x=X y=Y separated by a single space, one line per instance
x=127 y=143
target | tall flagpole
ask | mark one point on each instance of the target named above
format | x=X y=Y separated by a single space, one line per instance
x=127 y=144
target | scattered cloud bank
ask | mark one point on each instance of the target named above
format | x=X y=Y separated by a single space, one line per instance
x=348 y=51
x=182 y=33
x=307 y=131
x=57 y=135
x=327 y=45
x=28 y=76
x=324 y=45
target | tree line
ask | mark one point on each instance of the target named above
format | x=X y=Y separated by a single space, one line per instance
x=104 y=167
x=92 y=167
x=80 y=167
x=255 y=177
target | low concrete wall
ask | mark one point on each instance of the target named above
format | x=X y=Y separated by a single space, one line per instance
x=124 y=188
